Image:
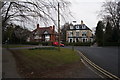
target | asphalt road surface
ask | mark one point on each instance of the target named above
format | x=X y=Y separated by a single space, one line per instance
x=105 y=57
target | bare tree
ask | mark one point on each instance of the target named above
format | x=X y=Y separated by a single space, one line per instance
x=33 y=10
x=111 y=12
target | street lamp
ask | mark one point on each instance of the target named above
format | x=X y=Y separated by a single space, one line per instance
x=103 y=36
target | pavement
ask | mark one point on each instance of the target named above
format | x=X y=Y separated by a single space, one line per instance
x=0 y=61
x=10 y=70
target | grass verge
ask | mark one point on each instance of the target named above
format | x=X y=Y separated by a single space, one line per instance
x=33 y=63
x=15 y=46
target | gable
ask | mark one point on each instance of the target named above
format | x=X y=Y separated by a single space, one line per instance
x=45 y=32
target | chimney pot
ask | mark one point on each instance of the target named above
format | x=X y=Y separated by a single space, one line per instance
x=82 y=22
x=37 y=26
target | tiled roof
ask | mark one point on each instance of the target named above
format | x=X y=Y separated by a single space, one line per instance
x=80 y=27
x=41 y=30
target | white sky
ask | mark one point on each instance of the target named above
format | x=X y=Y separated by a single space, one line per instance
x=86 y=10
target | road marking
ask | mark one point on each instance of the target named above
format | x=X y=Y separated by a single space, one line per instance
x=91 y=69
x=108 y=74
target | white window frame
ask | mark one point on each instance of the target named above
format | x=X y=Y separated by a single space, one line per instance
x=77 y=27
x=37 y=37
x=70 y=33
x=71 y=27
x=83 y=26
x=78 y=34
x=71 y=39
x=46 y=32
x=47 y=37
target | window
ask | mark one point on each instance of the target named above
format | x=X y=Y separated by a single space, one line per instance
x=77 y=34
x=47 y=37
x=77 y=40
x=83 y=40
x=70 y=40
x=71 y=34
x=37 y=37
x=84 y=34
x=77 y=27
x=91 y=39
x=83 y=27
x=45 y=32
x=71 y=27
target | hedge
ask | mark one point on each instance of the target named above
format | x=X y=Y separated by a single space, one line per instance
x=78 y=44
x=38 y=43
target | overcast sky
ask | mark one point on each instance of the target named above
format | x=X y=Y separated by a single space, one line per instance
x=86 y=10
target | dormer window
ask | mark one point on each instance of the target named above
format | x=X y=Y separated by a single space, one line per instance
x=45 y=32
x=71 y=27
x=77 y=27
x=83 y=27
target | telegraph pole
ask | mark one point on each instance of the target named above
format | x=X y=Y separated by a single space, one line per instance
x=58 y=27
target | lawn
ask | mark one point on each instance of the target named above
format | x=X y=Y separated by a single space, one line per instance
x=31 y=63
x=15 y=46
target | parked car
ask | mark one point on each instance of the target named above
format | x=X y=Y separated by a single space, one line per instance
x=57 y=44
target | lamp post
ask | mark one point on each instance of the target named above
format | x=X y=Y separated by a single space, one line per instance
x=103 y=36
x=58 y=27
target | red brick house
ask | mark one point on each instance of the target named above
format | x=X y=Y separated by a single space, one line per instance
x=43 y=34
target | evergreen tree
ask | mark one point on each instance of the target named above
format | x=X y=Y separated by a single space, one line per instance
x=99 y=33
x=115 y=34
x=108 y=32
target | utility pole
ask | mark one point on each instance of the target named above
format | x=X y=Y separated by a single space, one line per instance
x=58 y=27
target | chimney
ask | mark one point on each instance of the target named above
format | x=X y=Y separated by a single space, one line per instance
x=37 y=26
x=50 y=27
x=82 y=22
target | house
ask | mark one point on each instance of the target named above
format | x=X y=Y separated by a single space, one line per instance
x=43 y=34
x=79 y=33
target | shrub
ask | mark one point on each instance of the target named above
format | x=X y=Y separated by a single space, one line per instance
x=46 y=43
x=32 y=43
x=111 y=44
x=83 y=44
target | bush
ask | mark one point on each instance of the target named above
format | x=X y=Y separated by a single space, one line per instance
x=83 y=44
x=38 y=43
x=32 y=43
x=46 y=43
x=44 y=48
x=111 y=44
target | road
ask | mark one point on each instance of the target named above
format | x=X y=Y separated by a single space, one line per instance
x=105 y=57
